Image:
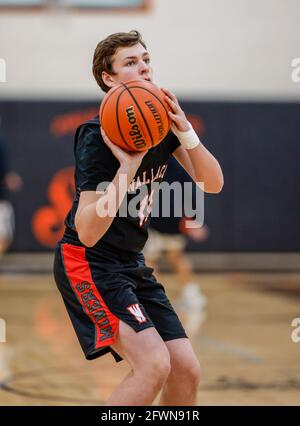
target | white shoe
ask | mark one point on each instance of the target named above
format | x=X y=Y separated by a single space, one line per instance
x=191 y=305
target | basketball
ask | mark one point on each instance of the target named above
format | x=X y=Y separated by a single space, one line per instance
x=134 y=115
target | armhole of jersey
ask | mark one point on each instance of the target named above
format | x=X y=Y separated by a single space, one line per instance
x=91 y=121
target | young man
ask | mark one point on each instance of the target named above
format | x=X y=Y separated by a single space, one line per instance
x=114 y=302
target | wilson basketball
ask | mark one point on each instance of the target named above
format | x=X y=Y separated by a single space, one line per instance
x=134 y=115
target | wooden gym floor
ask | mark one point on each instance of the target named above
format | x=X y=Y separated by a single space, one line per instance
x=244 y=343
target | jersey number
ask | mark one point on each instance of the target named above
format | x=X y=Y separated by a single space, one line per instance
x=145 y=208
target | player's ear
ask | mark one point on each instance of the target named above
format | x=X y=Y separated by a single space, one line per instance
x=108 y=79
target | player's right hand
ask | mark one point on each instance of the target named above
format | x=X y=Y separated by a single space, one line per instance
x=129 y=162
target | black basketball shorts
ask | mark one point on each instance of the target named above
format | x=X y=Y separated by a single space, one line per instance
x=101 y=287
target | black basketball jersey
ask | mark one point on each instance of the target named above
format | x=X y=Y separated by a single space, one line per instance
x=94 y=164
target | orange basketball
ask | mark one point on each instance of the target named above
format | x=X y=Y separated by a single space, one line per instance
x=134 y=115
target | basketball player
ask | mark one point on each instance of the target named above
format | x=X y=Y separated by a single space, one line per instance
x=9 y=181
x=114 y=301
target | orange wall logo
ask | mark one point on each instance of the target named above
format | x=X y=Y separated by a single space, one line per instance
x=48 y=221
x=197 y=123
x=64 y=124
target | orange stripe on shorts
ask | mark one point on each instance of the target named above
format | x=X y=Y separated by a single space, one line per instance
x=78 y=271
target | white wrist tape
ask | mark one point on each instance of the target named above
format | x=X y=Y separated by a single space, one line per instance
x=188 y=139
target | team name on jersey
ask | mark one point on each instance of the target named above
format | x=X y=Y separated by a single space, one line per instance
x=147 y=177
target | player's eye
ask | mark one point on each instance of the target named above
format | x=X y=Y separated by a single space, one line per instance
x=130 y=63
x=147 y=60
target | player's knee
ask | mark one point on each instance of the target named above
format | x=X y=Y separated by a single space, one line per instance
x=157 y=366
x=189 y=371
x=160 y=366
x=193 y=373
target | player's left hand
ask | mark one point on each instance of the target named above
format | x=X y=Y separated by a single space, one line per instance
x=176 y=114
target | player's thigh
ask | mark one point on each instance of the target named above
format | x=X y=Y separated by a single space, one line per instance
x=152 y=296
x=140 y=348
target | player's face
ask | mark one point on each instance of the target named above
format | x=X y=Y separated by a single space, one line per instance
x=130 y=63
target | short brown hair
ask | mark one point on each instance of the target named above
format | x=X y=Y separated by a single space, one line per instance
x=105 y=50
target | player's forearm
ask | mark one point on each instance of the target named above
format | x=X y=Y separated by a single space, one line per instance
x=95 y=219
x=206 y=168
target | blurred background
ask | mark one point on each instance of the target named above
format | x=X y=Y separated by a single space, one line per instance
x=234 y=67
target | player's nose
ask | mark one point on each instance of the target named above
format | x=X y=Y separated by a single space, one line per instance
x=144 y=68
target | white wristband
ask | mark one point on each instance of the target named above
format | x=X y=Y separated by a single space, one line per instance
x=188 y=139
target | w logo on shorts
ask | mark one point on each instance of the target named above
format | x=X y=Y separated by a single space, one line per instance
x=135 y=310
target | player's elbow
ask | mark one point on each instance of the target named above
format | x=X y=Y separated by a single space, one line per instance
x=85 y=236
x=215 y=187
x=87 y=239
x=219 y=186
